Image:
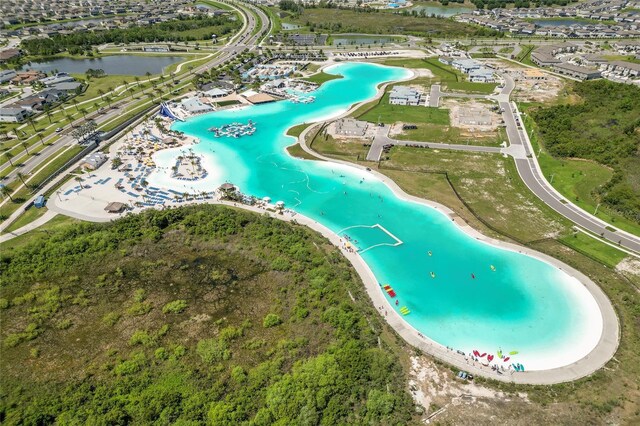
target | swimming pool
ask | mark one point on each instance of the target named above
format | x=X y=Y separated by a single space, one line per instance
x=460 y=292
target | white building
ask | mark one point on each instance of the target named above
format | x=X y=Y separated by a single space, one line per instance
x=194 y=106
x=13 y=115
x=404 y=95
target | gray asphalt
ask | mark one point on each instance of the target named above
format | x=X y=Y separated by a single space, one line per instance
x=529 y=173
x=520 y=150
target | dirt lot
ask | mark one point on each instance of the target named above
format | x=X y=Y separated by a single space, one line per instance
x=474 y=118
x=532 y=84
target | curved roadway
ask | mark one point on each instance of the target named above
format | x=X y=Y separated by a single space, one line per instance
x=529 y=170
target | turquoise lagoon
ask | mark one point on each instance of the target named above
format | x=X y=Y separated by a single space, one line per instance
x=526 y=304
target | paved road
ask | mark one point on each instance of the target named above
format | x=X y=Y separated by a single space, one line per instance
x=382 y=138
x=379 y=141
x=531 y=174
x=454 y=147
x=434 y=96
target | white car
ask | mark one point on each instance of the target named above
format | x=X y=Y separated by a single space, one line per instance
x=59 y=129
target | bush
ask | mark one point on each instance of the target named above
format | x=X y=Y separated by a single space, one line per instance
x=174 y=307
x=213 y=350
x=141 y=337
x=111 y=318
x=271 y=320
x=64 y=324
x=139 y=308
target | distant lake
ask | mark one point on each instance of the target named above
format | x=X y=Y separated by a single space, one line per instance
x=114 y=64
x=442 y=10
x=359 y=41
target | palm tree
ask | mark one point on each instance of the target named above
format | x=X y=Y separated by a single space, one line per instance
x=79 y=180
x=101 y=93
x=6 y=192
x=8 y=156
x=83 y=111
x=47 y=110
x=21 y=176
x=137 y=79
x=75 y=103
x=30 y=121
x=25 y=146
x=39 y=134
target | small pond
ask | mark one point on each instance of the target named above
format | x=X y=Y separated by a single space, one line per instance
x=115 y=64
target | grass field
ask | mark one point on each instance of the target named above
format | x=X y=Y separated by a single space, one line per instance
x=322 y=77
x=354 y=150
x=338 y=21
x=386 y=113
x=41 y=232
x=610 y=256
x=488 y=183
x=434 y=124
x=27 y=217
x=450 y=78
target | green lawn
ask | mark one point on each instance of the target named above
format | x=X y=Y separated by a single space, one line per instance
x=322 y=77
x=40 y=233
x=450 y=78
x=594 y=248
x=386 y=113
x=27 y=217
x=296 y=131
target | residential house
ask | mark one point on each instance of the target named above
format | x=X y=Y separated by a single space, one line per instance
x=404 y=95
x=13 y=115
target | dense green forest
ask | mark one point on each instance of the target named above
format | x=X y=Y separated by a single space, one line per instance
x=198 y=315
x=604 y=127
x=181 y=29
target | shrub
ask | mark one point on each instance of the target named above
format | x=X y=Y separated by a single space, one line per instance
x=161 y=353
x=139 y=308
x=111 y=318
x=271 y=320
x=139 y=295
x=174 y=307
x=213 y=350
x=64 y=324
x=141 y=337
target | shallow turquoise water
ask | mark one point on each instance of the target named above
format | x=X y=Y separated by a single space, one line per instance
x=525 y=304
